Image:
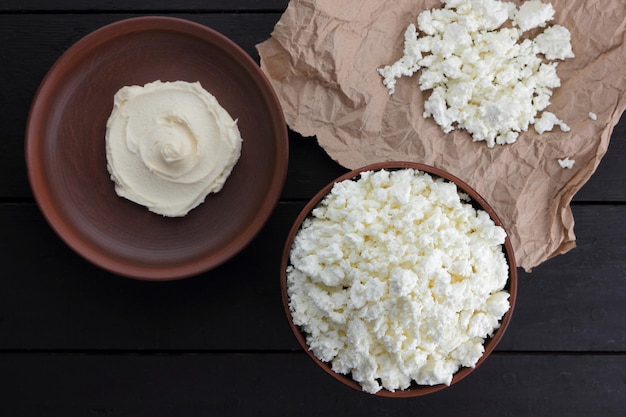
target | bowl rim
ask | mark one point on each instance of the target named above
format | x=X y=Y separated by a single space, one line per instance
x=490 y=343
x=64 y=228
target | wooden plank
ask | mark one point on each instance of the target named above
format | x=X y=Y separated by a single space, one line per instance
x=12 y=6
x=579 y=296
x=608 y=183
x=290 y=384
x=52 y=299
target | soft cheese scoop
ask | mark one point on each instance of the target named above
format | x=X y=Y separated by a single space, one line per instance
x=169 y=145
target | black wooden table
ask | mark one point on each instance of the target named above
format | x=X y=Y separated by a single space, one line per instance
x=78 y=341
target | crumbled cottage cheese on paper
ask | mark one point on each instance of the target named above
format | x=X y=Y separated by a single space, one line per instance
x=485 y=76
x=395 y=278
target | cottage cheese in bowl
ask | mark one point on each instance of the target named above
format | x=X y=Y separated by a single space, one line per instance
x=169 y=145
x=395 y=281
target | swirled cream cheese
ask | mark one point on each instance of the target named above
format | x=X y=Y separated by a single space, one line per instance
x=169 y=145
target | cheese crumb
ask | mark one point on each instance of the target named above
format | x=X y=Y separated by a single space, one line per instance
x=566 y=163
x=394 y=278
x=533 y=14
x=593 y=116
x=547 y=121
x=484 y=77
x=555 y=43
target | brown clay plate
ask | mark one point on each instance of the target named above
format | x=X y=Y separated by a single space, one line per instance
x=476 y=200
x=65 y=149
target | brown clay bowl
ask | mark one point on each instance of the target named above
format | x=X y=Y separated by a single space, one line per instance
x=65 y=149
x=478 y=202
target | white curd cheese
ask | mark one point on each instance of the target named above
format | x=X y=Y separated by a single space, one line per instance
x=169 y=145
x=533 y=14
x=547 y=121
x=566 y=163
x=395 y=278
x=555 y=43
x=484 y=76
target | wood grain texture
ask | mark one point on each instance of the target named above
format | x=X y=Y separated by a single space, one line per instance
x=55 y=300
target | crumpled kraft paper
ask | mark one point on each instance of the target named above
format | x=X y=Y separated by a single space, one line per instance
x=322 y=59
